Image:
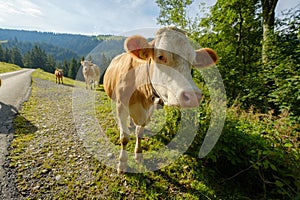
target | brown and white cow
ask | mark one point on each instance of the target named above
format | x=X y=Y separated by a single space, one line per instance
x=91 y=74
x=161 y=68
x=59 y=73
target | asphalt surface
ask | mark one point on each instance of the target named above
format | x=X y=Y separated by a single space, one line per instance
x=15 y=89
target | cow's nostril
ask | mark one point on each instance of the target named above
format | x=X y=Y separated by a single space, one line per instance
x=190 y=99
x=186 y=96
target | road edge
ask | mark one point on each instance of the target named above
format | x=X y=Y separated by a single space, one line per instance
x=8 y=189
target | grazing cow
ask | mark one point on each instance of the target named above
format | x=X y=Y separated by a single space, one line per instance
x=59 y=73
x=159 y=69
x=91 y=73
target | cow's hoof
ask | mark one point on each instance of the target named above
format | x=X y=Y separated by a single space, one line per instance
x=138 y=157
x=122 y=167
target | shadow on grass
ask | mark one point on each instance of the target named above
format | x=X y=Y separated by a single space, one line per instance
x=68 y=85
x=23 y=126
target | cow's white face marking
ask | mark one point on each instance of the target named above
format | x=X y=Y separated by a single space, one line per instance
x=85 y=65
x=171 y=77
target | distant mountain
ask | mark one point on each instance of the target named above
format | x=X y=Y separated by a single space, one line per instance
x=63 y=46
x=79 y=44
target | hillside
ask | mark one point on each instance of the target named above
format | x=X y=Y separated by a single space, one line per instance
x=7 y=67
x=60 y=46
x=80 y=44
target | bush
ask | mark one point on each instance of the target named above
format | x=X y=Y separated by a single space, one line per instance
x=259 y=153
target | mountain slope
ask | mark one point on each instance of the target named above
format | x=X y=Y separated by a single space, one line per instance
x=80 y=44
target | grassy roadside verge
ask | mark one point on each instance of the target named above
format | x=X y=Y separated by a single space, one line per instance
x=7 y=67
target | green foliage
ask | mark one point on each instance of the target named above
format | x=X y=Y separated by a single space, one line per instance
x=16 y=57
x=282 y=75
x=233 y=30
x=73 y=68
x=174 y=12
x=259 y=152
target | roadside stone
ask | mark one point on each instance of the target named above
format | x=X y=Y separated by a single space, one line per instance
x=58 y=177
x=110 y=155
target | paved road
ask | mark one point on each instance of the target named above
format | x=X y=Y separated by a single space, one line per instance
x=15 y=89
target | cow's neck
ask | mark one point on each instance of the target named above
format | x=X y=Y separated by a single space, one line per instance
x=154 y=91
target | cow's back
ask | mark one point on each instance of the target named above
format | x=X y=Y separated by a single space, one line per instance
x=130 y=76
x=118 y=66
x=97 y=72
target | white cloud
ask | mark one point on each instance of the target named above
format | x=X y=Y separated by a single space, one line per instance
x=28 y=8
x=19 y=7
x=86 y=17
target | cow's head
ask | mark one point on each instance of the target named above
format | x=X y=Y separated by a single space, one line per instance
x=86 y=64
x=173 y=57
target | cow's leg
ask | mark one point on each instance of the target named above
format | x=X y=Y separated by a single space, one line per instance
x=138 y=149
x=123 y=114
x=91 y=83
x=62 y=82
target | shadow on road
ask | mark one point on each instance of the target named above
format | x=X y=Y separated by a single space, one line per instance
x=9 y=114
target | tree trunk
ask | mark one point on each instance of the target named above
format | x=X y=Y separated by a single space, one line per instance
x=268 y=9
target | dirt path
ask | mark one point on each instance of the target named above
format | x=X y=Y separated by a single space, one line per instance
x=47 y=152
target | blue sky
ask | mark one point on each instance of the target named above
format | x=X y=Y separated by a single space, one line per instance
x=89 y=17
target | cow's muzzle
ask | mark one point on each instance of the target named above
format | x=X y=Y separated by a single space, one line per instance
x=188 y=99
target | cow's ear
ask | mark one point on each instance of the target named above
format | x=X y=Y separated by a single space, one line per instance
x=205 y=57
x=139 y=47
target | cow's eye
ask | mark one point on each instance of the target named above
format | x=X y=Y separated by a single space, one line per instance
x=161 y=57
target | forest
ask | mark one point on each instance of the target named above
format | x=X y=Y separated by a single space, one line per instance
x=79 y=44
x=259 y=67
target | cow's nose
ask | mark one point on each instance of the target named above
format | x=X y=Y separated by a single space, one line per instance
x=190 y=98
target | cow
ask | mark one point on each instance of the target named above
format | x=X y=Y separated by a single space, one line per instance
x=59 y=73
x=148 y=71
x=91 y=74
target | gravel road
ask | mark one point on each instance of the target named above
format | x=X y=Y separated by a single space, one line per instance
x=55 y=156
x=14 y=90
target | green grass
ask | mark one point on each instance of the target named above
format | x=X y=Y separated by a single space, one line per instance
x=39 y=73
x=7 y=67
x=256 y=157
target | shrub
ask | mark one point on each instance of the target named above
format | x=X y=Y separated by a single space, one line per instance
x=257 y=152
